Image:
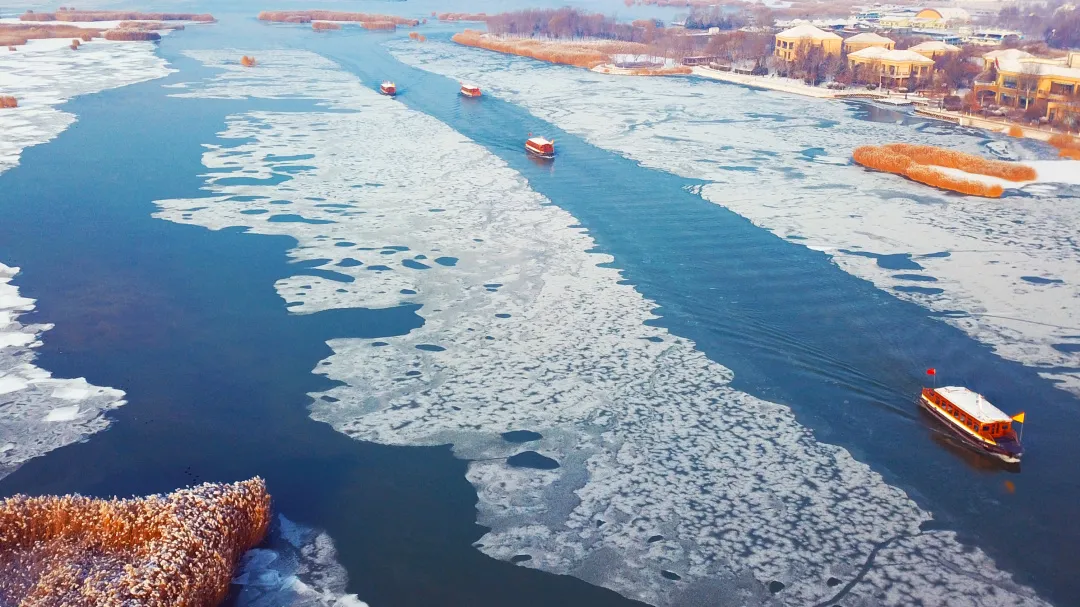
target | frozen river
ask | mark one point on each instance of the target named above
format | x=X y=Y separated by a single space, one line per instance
x=395 y=317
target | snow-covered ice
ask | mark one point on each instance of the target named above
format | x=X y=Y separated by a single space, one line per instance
x=297 y=567
x=46 y=73
x=38 y=412
x=660 y=480
x=1011 y=264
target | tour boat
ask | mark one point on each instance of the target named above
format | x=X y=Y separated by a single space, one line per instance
x=388 y=88
x=538 y=146
x=980 y=424
x=470 y=90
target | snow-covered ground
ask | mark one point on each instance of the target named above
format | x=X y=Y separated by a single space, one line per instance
x=43 y=74
x=1009 y=265
x=38 y=412
x=296 y=566
x=644 y=471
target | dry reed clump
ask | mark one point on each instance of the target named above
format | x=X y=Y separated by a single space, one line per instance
x=1016 y=131
x=379 y=25
x=15 y=34
x=11 y=47
x=587 y=54
x=149 y=26
x=322 y=26
x=131 y=35
x=969 y=163
x=86 y=37
x=478 y=17
x=917 y=163
x=7 y=101
x=176 y=550
x=85 y=16
x=247 y=61
x=1068 y=146
x=308 y=16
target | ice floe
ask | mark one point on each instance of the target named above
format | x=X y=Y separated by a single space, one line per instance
x=791 y=183
x=45 y=73
x=38 y=412
x=297 y=567
x=649 y=474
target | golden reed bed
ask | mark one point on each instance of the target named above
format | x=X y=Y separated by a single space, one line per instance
x=74 y=16
x=176 y=550
x=307 y=16
x=587 y=54
x=919 y=162
x=1068 y=146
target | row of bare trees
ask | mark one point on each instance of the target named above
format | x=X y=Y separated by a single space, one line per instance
x=561 y=23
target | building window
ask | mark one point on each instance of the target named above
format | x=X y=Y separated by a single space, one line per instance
x=1009 y=83
x=1060 y=88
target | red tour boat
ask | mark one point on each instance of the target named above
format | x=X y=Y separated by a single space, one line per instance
x=470 y=90
x=388 y=88
x=538 y=146
x=980 y=424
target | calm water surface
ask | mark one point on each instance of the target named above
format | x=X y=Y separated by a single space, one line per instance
x=188 y=323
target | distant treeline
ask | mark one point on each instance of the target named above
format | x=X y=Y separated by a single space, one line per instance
x=560 y=23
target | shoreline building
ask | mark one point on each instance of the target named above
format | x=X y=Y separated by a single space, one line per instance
x=1023 y=80
x=791 y=42
x=892 y=68
x=940 y=18
x=934 y=48
x=866 y=40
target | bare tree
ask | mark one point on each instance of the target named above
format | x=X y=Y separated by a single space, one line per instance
x=1027 y=83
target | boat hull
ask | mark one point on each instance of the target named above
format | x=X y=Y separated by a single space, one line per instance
x=389 y=92
x=545 y=154
x=470 y=94
x=1006 y=451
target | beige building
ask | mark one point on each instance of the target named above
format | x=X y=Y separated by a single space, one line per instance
x=866 y=40
x=934 y=49
x=940 y=18
x=891 y=68
x=793 y=41
x=1024 y=79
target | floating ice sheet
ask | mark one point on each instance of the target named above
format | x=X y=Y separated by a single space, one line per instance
x=45 y=73
x=298 y=567
x=796 y=187
x=649 y=474
x=38 y=412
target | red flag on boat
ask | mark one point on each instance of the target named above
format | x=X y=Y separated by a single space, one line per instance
x=931 y=371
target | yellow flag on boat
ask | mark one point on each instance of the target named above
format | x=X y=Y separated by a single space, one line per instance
x=1019 y=417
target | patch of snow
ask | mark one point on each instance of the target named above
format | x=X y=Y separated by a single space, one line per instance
x=46 y=73
x=297 y=567
x=695 y=129
x=32 y=402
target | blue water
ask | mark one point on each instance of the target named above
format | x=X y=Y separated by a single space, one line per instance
x=216 y=370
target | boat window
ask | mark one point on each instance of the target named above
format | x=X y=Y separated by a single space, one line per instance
x=986 y=427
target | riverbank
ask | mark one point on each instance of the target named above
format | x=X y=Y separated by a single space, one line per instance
x=786 y=85
x=991 y=124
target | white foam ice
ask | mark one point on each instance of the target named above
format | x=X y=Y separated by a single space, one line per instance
x=297 y=568
x=772 y=158
x=43 y=74
x=37 y=412
x=664 y=471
